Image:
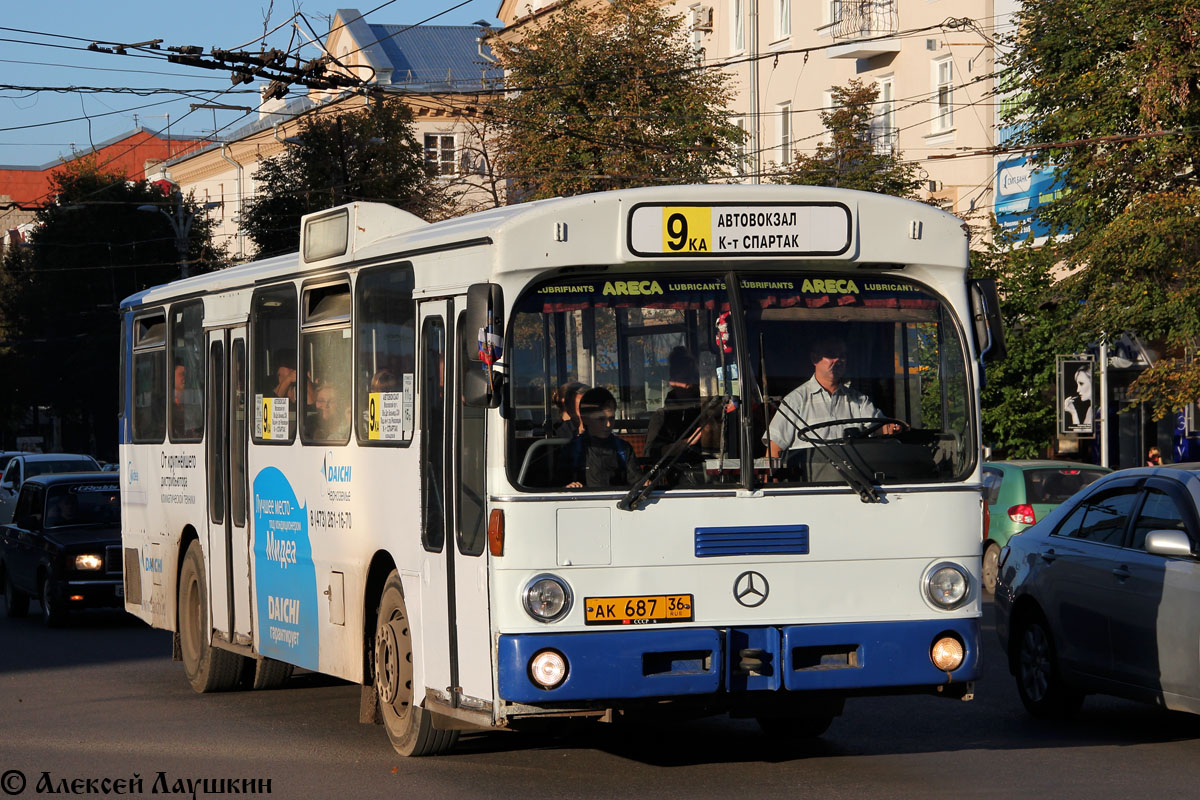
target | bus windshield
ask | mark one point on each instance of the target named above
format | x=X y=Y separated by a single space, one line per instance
x=842 y=379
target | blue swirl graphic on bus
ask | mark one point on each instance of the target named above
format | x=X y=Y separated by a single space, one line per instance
x=286 y=578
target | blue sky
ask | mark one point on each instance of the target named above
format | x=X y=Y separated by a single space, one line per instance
x=40 y=126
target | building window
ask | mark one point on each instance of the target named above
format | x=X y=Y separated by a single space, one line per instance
x=883 y=125
x=785 y=133
x=833 y=11
x=737 y=27
x=441 y=153
x=783 y=19
x=943 y=98
x=740 y=164
x=701 y=17
x=828 y=106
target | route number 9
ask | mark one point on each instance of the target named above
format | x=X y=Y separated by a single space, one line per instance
x=677 y=231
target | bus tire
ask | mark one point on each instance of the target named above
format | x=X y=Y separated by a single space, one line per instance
x=265 y=673
x=208 y=668
x=16 y=602
x=409 y=727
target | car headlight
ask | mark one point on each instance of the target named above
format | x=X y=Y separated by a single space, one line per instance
x=947 y=585
x=547 y=598
x=89 y=561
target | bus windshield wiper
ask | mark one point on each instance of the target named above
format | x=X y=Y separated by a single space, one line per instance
x=645 y=484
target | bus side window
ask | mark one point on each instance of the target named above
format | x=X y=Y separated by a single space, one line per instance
x=384 y=321
x=273 y=364
x=150 y=379
x=186 y=409
x=325 y=342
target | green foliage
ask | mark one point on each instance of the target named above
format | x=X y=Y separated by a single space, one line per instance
x=609 y=97
x=61 y=294
x=1018 y=398
x=369 y=154
x=1116 y=91
x=849 y=159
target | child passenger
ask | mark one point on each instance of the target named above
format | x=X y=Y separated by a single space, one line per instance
x=597 y=459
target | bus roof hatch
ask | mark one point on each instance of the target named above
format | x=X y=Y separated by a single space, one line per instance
x=335 y=234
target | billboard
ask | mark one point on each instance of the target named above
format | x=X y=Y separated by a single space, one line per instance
x=1076 y=404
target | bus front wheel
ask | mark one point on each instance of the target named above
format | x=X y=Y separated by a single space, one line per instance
x=409 y=727
x=208 y=668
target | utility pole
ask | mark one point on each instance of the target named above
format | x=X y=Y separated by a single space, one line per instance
x=181 y=223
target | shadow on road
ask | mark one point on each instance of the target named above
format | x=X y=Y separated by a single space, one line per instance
x=87 y=637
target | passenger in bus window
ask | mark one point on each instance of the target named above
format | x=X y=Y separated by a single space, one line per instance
x=680 y=408
x=566 y=400
x=823 y=398
x=384 y=381
x=186 y=408
x=597 y=458
x=285 y=374
x=333 y=413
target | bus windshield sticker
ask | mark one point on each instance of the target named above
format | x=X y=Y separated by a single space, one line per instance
x=385 y=416
x=271 y=417
x=407 y=385
x=699 y=230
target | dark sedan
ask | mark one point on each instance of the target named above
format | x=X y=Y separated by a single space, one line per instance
x=1103 y=595
x=63 y=546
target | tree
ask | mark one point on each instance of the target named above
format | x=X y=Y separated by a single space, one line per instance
x=370 y=154
x=609 y=97
x=1017 y=398
x=1110 y=98
x=92 y=248
x=850 y=159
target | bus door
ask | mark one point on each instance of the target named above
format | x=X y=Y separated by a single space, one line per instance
x=454 y=617
x=225 y=456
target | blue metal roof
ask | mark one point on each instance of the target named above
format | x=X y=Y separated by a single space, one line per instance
x=435 y=57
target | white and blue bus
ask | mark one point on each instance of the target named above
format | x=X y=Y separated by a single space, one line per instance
x=367 y=459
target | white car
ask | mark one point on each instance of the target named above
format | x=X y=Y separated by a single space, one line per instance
x=26 y=465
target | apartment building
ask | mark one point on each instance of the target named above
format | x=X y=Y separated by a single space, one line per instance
x=438 y=71
x=932 y=61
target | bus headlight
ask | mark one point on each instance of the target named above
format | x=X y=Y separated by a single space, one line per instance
x=947 y=585
x=548 y=669
x=547 y=598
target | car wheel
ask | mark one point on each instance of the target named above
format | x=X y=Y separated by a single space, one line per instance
x=409 y=727
x=16 y=602
x=54 y=613
x=208 y=668
x=1043 y=691
x=991 y=566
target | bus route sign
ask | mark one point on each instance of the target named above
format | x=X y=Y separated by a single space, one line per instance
x=694 y=230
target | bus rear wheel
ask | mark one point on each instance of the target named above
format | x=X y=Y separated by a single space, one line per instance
x=208 y=668
x=264 y=673
x=409 y=727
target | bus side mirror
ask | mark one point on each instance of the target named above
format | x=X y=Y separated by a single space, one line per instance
x=986 y=321
x=483 y=345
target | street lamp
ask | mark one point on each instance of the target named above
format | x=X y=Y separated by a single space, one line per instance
x=181 y=222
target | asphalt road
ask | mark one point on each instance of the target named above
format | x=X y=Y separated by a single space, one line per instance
x=102 y=699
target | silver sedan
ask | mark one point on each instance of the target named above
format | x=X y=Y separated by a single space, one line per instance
x=1103 y=595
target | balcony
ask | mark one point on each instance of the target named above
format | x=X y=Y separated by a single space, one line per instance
x=863 y=28
x=884 y=140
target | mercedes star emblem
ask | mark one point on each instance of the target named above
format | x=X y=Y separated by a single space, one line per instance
x=751 y=589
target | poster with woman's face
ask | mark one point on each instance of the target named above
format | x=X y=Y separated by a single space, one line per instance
x=1076 y=406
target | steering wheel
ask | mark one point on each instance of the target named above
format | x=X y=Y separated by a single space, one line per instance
x=875 y=424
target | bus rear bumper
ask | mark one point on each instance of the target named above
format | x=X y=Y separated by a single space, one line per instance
x=657 y=662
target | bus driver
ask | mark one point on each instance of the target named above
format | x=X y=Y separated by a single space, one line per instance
x=823 y=398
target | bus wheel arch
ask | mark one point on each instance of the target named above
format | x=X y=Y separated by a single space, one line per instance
x=409 y=726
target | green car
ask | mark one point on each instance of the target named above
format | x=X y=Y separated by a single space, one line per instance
x=1019 y=493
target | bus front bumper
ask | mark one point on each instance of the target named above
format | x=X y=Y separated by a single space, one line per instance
x=658 y=662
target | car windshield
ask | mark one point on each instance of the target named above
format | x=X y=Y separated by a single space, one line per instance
x=615 y=377
x=55 y=466
x=1054 y=486
x=83 y=504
